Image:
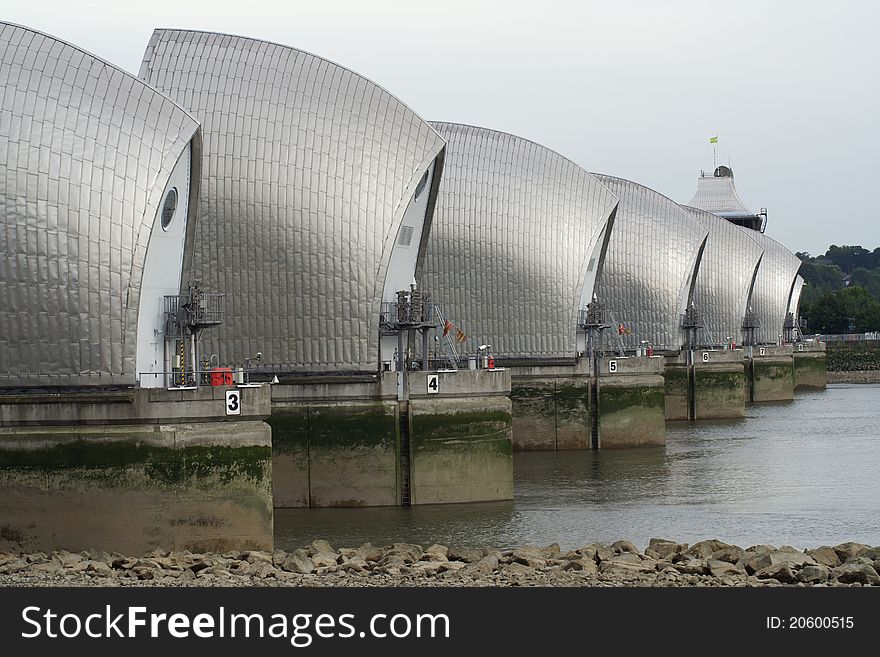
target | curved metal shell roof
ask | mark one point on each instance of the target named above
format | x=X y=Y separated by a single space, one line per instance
x=85 y=152
x=773 y=286
x=654 y=253
x=514 y=230
x=725 y=278
x=718 y=195
x=308 y=169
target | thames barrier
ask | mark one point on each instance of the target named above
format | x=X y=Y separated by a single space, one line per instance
x=248 y=278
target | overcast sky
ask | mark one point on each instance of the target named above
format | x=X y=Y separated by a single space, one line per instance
x=632 y=88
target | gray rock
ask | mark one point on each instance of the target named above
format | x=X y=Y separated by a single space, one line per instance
x=705 y=549
x=319 y=547
x=50 y=567
x=720 y=568
x=142 y=572
x=691 y=566
x=813 y=574
x=624 y=570
x=98 y=555
x=626 y=558
x=298 y=562
x=780 y=571
x=356 y=564
x=787 y=548
x=861 y=560
x=852 y=573
x=604 y=552
x=436 y=553
x=325 y=559
x=370 y=552
x=518 y=569
x=428 y=565
x=486 y=564
x=624 y=546
x=871 y=553
x=409 y=552
x=551 y=551
x=242 y=568
x=16 y=566
x=452 y=566
x=66 y=558
x=265 y=570
x=825 y=555
x=763 y=560
x=588 y=552
x=764 y=547
x=529 y=556
x=584 y=565
x=218 y=571
x=846 y=550
x=660 y=548
x=730 y=554
x=255 y=556
x=468 y=555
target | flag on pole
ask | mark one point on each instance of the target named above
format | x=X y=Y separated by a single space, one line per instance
x=448 y=326
x=713 y=140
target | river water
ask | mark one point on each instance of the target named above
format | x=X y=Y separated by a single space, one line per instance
x=803 y=473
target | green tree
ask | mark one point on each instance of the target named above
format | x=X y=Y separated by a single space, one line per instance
x=860 y=308
x=827 y=315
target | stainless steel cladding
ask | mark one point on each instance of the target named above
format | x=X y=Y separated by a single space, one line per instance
x=773 y=286
x=86 y=151
x=515 y=243
x=725 y=278
x=717 y=194
x=309 y=169
x=654 y=253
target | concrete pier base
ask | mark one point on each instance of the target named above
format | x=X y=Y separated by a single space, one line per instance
x=718 y=388
x=337 y=442
x=770 y=374
x=631 y=402
x=810 y=366
x=135 y=470
x=553 y=408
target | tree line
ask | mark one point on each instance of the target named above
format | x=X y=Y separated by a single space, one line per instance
x=842 y=290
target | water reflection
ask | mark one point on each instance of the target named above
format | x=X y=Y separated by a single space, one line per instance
x=802 y=473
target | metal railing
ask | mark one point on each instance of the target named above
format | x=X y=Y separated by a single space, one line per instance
x=190 y=378
x=182 y=311
x=846 y=337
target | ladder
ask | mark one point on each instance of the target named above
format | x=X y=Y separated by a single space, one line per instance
x=405 y=471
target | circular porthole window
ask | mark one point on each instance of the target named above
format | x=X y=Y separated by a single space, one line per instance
x=421 y=186
x=169 y=206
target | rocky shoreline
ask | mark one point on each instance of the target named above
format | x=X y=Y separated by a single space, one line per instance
x=856 y=376
x=663 y=563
